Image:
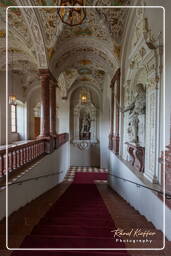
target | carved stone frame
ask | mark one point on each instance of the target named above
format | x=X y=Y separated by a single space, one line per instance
x=147 y=54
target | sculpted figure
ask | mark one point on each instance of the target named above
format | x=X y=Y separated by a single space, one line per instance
x=136 y=108
x=86 y=122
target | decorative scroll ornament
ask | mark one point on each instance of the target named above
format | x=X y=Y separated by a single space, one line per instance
x=83 y=145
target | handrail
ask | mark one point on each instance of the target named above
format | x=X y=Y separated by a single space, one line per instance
x=168 y=196
x=20 y=155
x=34 y=178
x=23 y=145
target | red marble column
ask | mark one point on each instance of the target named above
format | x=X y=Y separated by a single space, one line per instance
x=112 y=117
x=52 y=107
x=45 y=117
x=116 y=137
x=118 y=101
x=115 y=101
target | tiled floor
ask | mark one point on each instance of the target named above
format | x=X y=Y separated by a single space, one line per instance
x=74 y=169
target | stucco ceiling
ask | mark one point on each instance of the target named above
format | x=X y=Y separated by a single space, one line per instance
x=82 y=53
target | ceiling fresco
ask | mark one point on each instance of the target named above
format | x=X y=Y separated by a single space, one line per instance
x=85 y=53
x=17 y=26
x=91 y=27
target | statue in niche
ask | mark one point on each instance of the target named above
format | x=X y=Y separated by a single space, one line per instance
x=136 y=108
x=85 y=127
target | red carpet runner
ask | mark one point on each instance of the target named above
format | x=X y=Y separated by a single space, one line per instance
x=79 y=219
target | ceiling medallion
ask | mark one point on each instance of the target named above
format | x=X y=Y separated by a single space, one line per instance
x=71 y=12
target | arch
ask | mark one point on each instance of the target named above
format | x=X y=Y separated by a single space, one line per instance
x=79 y=49
x=36 y=87
x=83 y=85
x=36 y=34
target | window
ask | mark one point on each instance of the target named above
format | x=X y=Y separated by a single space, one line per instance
x=13 y=118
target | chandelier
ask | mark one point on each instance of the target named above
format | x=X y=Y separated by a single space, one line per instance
x=84 y=96
x=72 y=15
x=12 y=97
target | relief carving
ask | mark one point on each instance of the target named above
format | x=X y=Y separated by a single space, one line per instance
x=136 y=109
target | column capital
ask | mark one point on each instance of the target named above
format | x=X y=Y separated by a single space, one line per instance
x=46 y=73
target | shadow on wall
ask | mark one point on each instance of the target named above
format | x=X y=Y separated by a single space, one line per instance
x=85 y=157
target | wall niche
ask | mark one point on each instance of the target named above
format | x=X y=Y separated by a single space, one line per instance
x=84 y=118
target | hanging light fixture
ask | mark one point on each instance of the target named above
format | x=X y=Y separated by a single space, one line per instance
x=72 y=15
x=83 y=96
x=83 y=99
x=12 y=97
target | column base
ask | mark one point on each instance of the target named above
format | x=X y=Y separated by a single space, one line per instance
x=116 y=140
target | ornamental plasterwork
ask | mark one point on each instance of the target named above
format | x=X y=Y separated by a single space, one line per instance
x=18 y=30
x=142 y=29
x=145 y=67
x=35 y=31
x=92 y=80
x=114 y=18
x=104 y=58
x=66 y=61
x=66 y=79
x=19 y=56
x=17 y=24
x=52 y=25
x=88 y=72
x=92 y=68
x=143 y=56
x=20 y=22
x=70 y=75
x=90 y=83
x=86 y=44
x=62 y=85
x=92 y=26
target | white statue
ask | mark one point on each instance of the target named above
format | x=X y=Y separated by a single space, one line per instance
x=136 y=108
x=86 y=124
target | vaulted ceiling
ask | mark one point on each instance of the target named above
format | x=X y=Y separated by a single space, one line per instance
x=80 y=54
